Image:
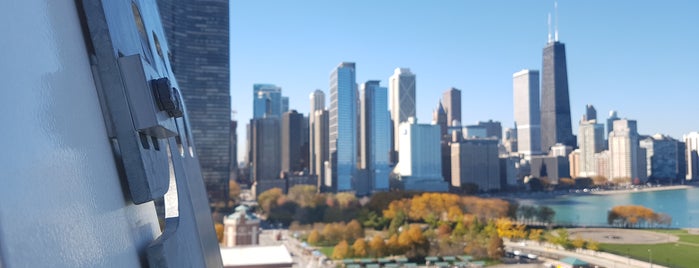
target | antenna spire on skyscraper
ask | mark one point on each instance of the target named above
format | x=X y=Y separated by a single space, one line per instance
x=555 y=9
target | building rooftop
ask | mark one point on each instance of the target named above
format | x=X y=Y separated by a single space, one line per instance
x=256 y=256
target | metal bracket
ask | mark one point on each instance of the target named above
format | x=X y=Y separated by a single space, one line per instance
x=148 y=122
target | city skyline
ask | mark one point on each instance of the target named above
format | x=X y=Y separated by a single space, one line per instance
x=476 y=47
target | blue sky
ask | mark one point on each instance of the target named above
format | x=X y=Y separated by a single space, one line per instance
x=640 y=58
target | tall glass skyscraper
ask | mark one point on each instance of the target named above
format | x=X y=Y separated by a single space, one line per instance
x=555 y=101
x=343 y=126
x=525 y=85
x=267 y=101
x=375 y=134
x=197 y=34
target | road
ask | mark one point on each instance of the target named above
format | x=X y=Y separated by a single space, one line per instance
x=593 y=257
x=302 y=258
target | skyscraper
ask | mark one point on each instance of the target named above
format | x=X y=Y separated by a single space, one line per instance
x=475 y=161
x=320 y=148
x=662 y=158
x=266 y=148
x=317 y=99
x=555 y=102
x=610 y=122
x=439 y=117
x=202 y=71
x=267 y=101
x=402 y=101
x=525 y=85
x=451 y=99
x=292 y=142
x=420 y=165
x=691 y=141
x=493 y=129
x=375 y=134
x=591 y=141
x=624 y=149
x=590 y=113
x=343 y=126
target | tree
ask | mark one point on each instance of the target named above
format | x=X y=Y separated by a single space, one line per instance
x=353 y=231
x=219 y=232
x=495 y=247
x=377 y=246
x=536 y=235
x=233 y=191
x=332 y=233
x=578 y=242
x=545 y=214
x=592 y=245
x=393 y=246
x=600 y=180
x=359 y=248
x=269 y=198
x=342 y=251
x=303 y=195
x=313 y=237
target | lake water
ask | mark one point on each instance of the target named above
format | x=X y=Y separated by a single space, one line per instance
x=681 y=204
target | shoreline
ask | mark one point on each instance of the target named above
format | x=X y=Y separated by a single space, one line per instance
x=644 y=189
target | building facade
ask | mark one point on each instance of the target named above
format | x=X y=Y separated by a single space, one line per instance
x=527 y=116
x=624 y=150
x=267 y=101
x=292 y=142
x=555 y=101
x=375 y=135
x=241 y=228
x=321 y=148
x=266 y=148
x=591 y=141
x=420 y=165
x=203 y=75
x=451 y=100
x=401 y=102
x=343 y=126
x=663 y=157
x=691 y=142
x=317 y=101
x=493 y=129
x=476 y=161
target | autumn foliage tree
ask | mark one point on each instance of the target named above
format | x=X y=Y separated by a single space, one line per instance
x=636 y=216
x=377 y=246
x=342 y=250
x=359 y=248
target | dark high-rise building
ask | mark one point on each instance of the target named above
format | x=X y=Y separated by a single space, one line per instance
x=292 y=140
x=375 y=136
x=451 y=100
x=320 y=148
x=555 y=101
x=197 y=35
x=234 y=151
x=590 y=113
x=266 y=148
x=439 y=117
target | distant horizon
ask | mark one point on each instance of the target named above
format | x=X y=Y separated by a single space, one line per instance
x=615 y=61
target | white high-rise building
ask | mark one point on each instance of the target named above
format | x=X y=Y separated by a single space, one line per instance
x=590 y=141
x=691 y=141
x=317 y=99
x=525 y=85
x=420 y=165
x=624 y=149
x=401 y=86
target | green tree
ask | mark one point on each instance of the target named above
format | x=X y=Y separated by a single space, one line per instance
x=592 y=245
x=303 y=195
x=578 y=242
x=353 y=230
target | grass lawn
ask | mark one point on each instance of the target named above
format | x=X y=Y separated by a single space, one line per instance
x=682 y=254
x=327 y=251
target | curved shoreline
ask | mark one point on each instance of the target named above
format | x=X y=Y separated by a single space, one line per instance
x=644 y=189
